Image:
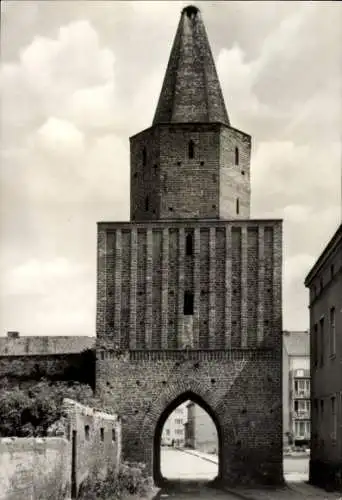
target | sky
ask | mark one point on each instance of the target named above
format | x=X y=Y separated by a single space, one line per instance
x=79 y=77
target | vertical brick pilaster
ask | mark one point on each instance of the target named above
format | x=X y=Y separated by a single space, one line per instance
x=133 y=289
x=277 y=281
x=228 y=288
x=212 y=286
x=101 y=283
x=118 y=277
x=181 y=248
x=165 y=288
x=148 y=304
x=244 y=290
x=197 y=287
x=261 y=285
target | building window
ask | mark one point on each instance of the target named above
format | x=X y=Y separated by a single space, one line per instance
x=302 y=430
x=237 y=205
x=146 y=203
x=332 y=340
x=321 y=346
x=86 y=432
x=144 y=157
x=333 y=418
x=332 y=271
x=188 y=245
x=315 y=405
x=315 y=345
x=113 y=435
x=102 y=434
x=237 y=159
x=188 y=303
x=191 y=149
x=322 y=408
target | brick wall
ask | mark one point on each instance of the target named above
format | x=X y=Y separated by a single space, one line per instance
x=26 y=369
x=241 y=390
x=36 y=468
x=33 y=346
x=166 y=183
x=234 y=274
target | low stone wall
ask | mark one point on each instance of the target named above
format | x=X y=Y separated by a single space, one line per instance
x=96 y=437
x=34 y=468
x=85 y=442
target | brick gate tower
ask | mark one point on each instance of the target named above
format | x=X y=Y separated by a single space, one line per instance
x=189 y=292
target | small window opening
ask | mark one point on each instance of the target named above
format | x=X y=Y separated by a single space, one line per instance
x=102 y=433
x=191 y=149
x=332 y=270
x=188 y=303
x=144 y=157
x=113 y=435
x=237 y=205
x=237 y=159
x=146 y=203
x=86 y=432
x=189 y=245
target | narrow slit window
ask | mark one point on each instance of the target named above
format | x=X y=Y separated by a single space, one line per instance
x=102 y=434
x=189 y=245
x=237 y=205
x=191 y=149
x=237 y=159
x=146 y=203
x=188 y=303
x=113 y=435
x=86 y=432
x=144 y=157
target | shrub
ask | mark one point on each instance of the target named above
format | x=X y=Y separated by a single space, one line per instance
x=131 y=479
x=31 y=411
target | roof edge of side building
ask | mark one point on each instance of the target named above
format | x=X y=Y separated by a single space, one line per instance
x=333 y=243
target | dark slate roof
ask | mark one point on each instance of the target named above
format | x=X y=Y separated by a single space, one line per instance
x=297 y=343
x=191 y=91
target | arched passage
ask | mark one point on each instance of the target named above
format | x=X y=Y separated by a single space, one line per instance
x=182 y=398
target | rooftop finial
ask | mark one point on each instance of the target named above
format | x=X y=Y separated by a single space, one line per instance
x=190 y=10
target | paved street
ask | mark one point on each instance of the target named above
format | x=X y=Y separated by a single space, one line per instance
x=179 y=465
x=193 y=469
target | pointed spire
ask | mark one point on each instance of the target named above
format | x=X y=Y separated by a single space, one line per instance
x=191 y=91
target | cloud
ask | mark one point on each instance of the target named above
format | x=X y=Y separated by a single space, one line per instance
x=79 y=78
x=61 y=302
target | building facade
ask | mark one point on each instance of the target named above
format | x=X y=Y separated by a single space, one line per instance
x=200 y=430
x=325 y=286
x=189 y=303
x=296 y=388
x=174 y=428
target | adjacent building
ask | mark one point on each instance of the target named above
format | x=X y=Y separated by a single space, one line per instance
x=325 y=284
x=174 y=428
x=200 y=430
x=296 y=388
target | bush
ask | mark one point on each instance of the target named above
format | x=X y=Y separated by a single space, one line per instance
x=131 y=479
x=31 y=411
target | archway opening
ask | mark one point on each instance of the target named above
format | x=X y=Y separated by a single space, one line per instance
x=187 y=443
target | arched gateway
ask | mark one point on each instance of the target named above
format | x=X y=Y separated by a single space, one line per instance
x=182 y=398
x=205 y=319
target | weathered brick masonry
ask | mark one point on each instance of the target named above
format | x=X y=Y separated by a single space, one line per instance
x=189 y=301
